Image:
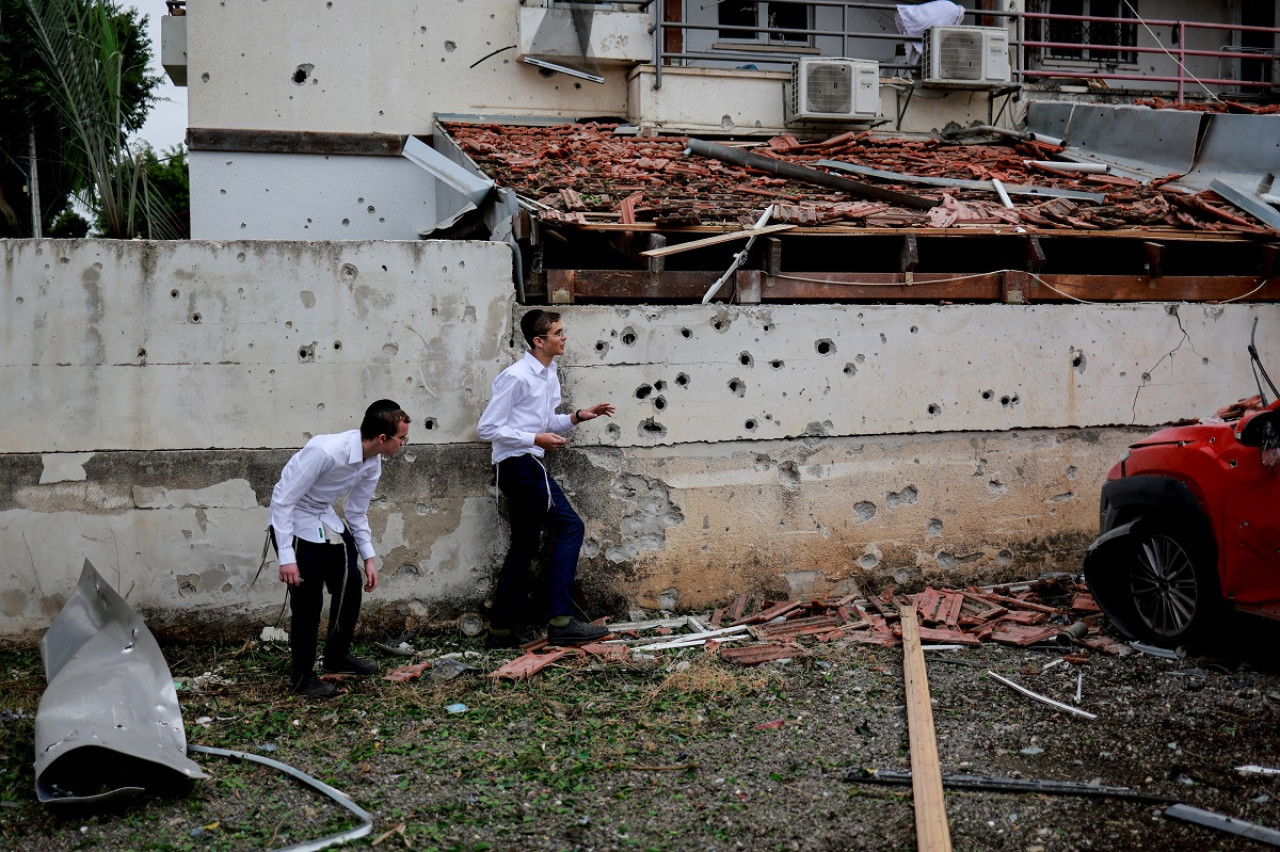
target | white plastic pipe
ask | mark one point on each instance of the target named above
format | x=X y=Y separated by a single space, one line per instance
x=1063 y=166
x=1000 y=191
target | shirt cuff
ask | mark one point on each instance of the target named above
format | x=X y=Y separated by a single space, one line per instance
x=528 y=439
x=285 y=555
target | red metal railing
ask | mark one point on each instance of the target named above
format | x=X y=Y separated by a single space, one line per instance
x=1178 y=51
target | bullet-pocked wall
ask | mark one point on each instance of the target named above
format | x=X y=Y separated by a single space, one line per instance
x=156 y=390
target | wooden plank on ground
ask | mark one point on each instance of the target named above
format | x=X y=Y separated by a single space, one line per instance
x=932 y=832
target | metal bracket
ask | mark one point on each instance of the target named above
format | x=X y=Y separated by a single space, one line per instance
x=909 y=259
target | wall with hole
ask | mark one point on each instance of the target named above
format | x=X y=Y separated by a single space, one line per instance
x=154 y=391
x=239 y=195
x=326 y=66
x=718 y=373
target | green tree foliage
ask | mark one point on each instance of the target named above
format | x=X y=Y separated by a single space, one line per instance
x=165 y=211
x=74 y=73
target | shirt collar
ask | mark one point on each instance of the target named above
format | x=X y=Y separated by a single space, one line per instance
x=535 y=365
x=355 y=449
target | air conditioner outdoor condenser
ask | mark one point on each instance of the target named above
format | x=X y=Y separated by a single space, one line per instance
x=824 y=89
x=965 y=56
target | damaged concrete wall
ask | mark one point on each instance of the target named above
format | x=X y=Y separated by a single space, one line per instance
x=155 y=391
x=309 y=197
x=348 y=67
x=316 y=67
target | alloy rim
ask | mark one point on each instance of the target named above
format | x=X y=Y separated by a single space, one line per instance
x=1164 y=586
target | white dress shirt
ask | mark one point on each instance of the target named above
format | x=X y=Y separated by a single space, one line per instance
x=326 y=469
x=524 y=402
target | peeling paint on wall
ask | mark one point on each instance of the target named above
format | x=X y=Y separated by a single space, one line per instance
x=64 y=467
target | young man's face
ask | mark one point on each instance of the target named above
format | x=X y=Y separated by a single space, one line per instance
x=552 y=343
x=393 y=444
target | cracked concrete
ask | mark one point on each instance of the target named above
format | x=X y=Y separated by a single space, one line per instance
x=780 y=450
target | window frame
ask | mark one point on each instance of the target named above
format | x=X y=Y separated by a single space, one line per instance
x=1126 y=35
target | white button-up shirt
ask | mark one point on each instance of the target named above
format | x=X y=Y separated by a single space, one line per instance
x=326 y=469
x=524 y=402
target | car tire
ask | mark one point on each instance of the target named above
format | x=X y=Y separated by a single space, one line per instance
x=1173 y=588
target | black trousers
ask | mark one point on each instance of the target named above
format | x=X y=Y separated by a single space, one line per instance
x=337 y=567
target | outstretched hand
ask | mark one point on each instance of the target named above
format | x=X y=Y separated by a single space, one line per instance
x=595 y=411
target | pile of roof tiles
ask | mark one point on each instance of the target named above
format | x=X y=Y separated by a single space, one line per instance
x=584 y=174
x=1224 y=106
x=1048 y=611
x=1054 y=611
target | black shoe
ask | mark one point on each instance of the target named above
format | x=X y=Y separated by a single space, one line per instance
x=351 y=665
x=575 y=633
x=313 y=687
x=511 y=639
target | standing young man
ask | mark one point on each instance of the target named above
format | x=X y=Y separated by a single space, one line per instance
x=316 y=549
x=522 y=423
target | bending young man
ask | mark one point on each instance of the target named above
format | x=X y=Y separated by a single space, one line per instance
x=522 y=423
x=316 y=549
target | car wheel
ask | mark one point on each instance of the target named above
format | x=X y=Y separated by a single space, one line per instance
x=1173 y=593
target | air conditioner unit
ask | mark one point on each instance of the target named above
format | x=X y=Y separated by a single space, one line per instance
x=831 y=89
x=965 y=56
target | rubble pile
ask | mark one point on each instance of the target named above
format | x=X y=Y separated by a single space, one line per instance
x=1053 y=610
x=586 y=174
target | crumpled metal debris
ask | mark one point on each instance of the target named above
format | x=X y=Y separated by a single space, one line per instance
x=109 y=722
x=341 y=798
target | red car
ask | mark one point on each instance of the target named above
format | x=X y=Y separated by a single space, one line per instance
x=1190 y=524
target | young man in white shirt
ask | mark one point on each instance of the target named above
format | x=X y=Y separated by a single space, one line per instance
x=315 y=548
x=522 y=423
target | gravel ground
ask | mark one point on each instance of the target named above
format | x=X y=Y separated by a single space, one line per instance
x=689 y=753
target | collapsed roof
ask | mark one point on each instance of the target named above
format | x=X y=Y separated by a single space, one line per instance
x=623 y=213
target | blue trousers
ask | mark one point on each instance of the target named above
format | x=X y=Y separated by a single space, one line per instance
x=526 y=484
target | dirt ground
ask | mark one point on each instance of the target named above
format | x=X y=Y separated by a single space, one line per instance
x=687 y=752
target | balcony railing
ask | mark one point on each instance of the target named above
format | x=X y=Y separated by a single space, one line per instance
x=785 y=44
x=705 y=44
x=1178 y=52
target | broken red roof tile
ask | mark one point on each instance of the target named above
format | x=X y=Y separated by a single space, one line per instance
x=407 y=673
x=589 y=162
x=1022 y=635
x=751 y=655
x=531 y=663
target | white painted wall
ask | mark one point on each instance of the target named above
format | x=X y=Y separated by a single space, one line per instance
x=383 y=68
x=773 y=372
x=164 y=346
x=698 y=100
x=158 y=466
x=308 y=197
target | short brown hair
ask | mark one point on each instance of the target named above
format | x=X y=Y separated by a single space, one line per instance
x=536 y=323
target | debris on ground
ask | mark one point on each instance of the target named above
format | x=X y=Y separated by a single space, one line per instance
x=403 y=674
x=274 y=634
x=1054 y=611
